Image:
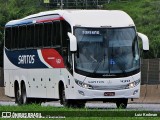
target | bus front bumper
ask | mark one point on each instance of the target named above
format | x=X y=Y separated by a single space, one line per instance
x=82 y=93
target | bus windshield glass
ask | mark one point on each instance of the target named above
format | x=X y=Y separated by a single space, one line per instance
x=106 y=51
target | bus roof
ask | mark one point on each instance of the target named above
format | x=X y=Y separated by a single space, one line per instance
x=83 y=18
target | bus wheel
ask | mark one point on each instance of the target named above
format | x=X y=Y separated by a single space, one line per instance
x=63 y=99
x=122 y=103
x=24 y=95
x=18 y=97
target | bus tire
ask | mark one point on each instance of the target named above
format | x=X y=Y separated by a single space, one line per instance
x=70 y=103
x=122 y=103
x=63 y=100
x=24 y=95
x=18 y=97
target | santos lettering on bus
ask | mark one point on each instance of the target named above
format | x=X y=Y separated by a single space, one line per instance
x=26 y=59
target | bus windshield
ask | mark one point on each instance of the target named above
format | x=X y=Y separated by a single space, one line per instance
x=106 y=51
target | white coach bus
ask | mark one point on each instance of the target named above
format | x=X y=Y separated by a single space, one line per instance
x=73 y=56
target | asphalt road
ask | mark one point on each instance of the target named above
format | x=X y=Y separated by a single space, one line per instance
x=103 y=106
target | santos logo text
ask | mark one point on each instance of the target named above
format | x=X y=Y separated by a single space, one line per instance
x=26 y=59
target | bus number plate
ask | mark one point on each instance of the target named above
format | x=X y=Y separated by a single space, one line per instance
x=109 y=94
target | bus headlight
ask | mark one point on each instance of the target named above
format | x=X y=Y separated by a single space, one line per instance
x=82 y=84
x=133 y=84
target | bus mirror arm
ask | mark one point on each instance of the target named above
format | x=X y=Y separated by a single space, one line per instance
x=73 y=42
x=145 y=41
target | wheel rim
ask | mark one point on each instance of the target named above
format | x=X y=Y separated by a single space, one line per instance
x=24 y=97
x=18 y=96
x=63 y=97
x=122 y=104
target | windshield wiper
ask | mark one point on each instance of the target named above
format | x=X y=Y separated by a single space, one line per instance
x=99 y=63
x=97 y=66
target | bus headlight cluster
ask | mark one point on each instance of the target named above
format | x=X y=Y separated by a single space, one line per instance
x=133 y=84
x=82 y=84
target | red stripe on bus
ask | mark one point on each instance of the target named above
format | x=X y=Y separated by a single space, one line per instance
x=53 y=58
x=49 y=20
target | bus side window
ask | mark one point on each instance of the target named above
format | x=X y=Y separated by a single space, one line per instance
x=65 y=29
x=52 y=34
x=55 y=38
x=57 y=33
x=17 y=41
x=30 y=36
x=47 y=34
x=41 y=34
x=14 y=41
x=65 y=40
x=22 y=37
x=69 y=60
x=37 y=35
x=8 y=37
x=27 y=36
x=65 y=44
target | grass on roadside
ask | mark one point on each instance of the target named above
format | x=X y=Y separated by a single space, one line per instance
x=75 y=113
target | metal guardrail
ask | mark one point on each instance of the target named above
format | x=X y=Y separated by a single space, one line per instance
x=150 y=71
x=76 y=4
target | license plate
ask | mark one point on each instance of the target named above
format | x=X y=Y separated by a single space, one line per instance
x=109 y=94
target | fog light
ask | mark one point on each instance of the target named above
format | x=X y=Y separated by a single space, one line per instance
x=135 y=92
x=81 y=92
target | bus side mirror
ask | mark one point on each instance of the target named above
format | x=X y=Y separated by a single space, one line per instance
x=73 y=42
x=145 y=41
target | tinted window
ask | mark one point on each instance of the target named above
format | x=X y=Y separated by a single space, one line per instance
x=8 y=33
x=30 y=36
x=52 y=34
x=14 y=41
x=22 y=37
x=47 y=34
x=34 y=35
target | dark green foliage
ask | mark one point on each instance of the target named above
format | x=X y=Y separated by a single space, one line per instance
x=146 y=15
x=16 y=9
